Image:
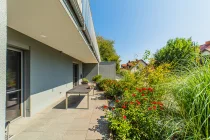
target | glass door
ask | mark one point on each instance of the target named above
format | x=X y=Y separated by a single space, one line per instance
x=75 y=74
x=14 y=80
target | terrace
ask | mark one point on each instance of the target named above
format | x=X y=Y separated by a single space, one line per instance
x=55 y=122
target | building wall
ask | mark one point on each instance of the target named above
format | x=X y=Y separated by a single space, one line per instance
x=107 y=70
x=51 y=71
x=205 y=53
x=3 y=40
x=90 y=70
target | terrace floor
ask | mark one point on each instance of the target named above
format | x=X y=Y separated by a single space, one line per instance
x=57 y=123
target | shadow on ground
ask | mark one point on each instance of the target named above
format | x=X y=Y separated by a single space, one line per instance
x=73 y=102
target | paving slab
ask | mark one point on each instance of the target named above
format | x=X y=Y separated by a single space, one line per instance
x=57 y=123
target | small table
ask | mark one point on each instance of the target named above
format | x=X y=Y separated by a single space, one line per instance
x=80 y=89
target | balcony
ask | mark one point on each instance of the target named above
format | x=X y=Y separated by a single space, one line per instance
x=60 y=24
x=83 y=15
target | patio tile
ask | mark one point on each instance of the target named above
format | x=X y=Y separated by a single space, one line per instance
x=15 y=129
x=27 y=136
x=79 y=124
x=66 y=118
x=97 y=131
x=51 y=136
x=74 y=135
x=39 y=125
x=52 y=115
x=96 y=118
x=57 y=128
x=85 y=114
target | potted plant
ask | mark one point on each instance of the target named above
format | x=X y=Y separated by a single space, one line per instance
x=85 y=81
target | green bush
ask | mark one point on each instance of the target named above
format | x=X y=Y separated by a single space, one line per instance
x=84 y=81
x=137 y=116
x=97 y=78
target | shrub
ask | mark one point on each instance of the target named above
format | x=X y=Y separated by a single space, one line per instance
x=136 y=116
x=84 y=81
x=178 y=52
x=97 y=78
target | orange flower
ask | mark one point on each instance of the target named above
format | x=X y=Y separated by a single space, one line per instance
x=131 y=103
x=154 y=107
x=112 y=108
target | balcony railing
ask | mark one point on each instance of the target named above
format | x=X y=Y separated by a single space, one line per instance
x=87 y=15
x=84 y=16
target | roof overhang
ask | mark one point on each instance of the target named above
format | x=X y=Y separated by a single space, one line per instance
x=49 y=22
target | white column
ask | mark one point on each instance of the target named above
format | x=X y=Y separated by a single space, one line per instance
x=3 y=47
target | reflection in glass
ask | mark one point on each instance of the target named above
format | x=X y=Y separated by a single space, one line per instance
x=13 y=98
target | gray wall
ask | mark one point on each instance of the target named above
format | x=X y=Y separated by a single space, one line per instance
x=90 y=70
x=51 y=72
x=107 y=70
x=49 y=68
x=3 y=41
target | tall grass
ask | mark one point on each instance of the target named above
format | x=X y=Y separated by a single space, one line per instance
x=192 y=94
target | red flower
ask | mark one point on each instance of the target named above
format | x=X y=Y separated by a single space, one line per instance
x=150 y=108
x=133 y=95
x=154 y=107
x=112 y=108
x=117 y=101
x=124 y=107
x=150 y=89
x=160 y=104
x=124 y=117
x=140 y=90
x=143 y=94
x=144 y=88
x=138 y=102
x=105 y=107
x=137 y=88
x=154 y=102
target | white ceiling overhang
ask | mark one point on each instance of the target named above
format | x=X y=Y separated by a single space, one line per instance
x=48 y=22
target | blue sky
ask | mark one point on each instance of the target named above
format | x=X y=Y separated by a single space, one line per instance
x=139 y=25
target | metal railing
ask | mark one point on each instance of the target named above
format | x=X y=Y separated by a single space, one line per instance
x=88 y=21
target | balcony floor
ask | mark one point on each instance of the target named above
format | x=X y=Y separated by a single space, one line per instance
x=57 y=123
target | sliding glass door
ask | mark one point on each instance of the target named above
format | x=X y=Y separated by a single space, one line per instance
x=14 y=84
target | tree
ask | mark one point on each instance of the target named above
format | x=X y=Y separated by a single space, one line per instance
x=107 y=51
x=178 y=52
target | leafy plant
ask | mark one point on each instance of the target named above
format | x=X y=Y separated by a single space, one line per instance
x=137 y=116
x=97 y=78
x=177 y=52
x=84 y=81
